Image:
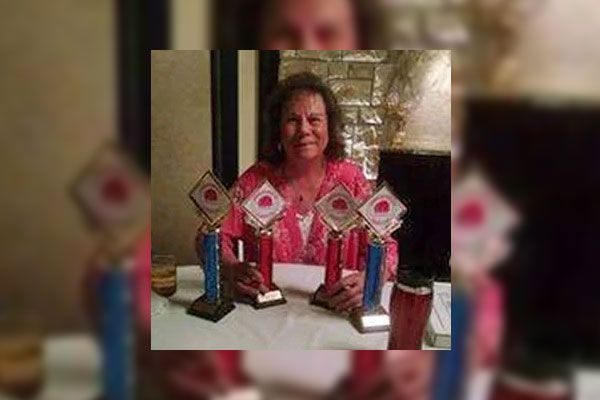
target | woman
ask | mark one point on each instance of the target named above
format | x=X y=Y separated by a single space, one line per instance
x=305 y=163
x=301 y=24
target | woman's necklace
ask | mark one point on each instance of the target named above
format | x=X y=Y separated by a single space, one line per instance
x=303 y=201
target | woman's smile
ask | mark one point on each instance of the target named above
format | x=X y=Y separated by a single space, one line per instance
x=304 y=144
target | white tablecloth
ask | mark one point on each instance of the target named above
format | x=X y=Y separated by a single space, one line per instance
x=296 y=325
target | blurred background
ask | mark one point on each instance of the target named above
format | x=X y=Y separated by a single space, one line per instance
x=525 y=91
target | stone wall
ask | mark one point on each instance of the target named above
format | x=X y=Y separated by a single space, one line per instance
x=392 y=100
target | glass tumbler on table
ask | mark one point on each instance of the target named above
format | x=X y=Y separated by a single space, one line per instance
x=21 y=356
x=164 y=275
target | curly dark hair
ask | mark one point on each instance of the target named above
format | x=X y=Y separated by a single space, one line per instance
x=281 y=95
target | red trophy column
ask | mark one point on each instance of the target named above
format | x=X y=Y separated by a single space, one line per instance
x=265 y=254
x=365 y=363
x=333 y=270
x=265 y=205
x=231 y=361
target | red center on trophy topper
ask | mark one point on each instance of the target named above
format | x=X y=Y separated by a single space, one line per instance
x=339 y=205
x=115 y=189
x=210 y=197
x=382 y=206
x=265 y=201
x=470 y=214
x=210 y=194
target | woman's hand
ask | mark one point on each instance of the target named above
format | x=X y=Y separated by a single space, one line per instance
x=346 y=295
x=190 y=375
x=245 y=280
x=405 y=375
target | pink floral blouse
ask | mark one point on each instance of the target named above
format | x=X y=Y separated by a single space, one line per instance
x=288 y=245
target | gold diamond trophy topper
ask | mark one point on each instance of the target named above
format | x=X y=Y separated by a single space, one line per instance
x=265 y=205
x=338 y=208
x=382 y=213
x=338 y=211
x=211 y=199
x=481 y=220
x=113 y=195
x=213 y=204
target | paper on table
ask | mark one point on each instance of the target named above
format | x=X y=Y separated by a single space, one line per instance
x=587 y=384
x=439 y=327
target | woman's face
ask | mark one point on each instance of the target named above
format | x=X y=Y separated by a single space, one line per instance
x=310 y=25
x=304 y=127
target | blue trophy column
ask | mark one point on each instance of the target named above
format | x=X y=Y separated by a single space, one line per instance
x=116 y=335
x=451 y=365
x=211 y=265
x=371 y=295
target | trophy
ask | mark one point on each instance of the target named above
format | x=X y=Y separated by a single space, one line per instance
x=382 y=213
x=213 y=203
x=265 y=205
x=338 y=212
x=113 y=196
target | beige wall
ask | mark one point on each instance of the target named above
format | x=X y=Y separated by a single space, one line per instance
x=190 y=24
x=57 y=106
x=181 y=146
x=247 y=109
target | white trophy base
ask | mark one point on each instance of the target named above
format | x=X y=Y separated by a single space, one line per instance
x=241 y=394
x=376 y=320
x=269 y=299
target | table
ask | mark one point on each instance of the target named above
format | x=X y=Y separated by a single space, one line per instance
x=296 y=325
x=72 y=370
